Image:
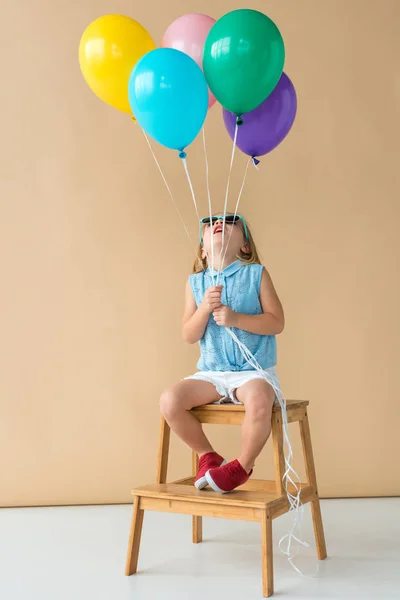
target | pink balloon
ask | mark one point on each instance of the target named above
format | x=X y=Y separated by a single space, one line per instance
x=188 y=34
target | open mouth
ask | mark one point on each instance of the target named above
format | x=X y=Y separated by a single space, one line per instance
x=218 y=229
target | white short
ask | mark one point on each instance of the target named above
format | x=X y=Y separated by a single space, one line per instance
x=227 y=382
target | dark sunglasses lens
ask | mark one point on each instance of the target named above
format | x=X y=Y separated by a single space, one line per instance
x=206 y=220
x=228 y=219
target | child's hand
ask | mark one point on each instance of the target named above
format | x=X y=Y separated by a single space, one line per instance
x=225 y=316
x=212 y=299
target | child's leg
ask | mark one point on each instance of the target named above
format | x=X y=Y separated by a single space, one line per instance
x=258 y=398
x=175 y=405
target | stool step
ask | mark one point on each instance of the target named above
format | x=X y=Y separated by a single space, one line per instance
x=230 y=407
x=247 y=502
x=233 y=414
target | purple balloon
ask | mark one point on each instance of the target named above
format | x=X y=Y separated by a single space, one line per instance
x=266 y=126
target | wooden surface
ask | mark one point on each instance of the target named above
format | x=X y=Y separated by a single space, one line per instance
x=312 y=480
x=279 y=459
x=233 y=414
x=257 y=500
x=163 y=451
x=134 y=537
x=267 y=554
x=197 y=522
x=255 y=495
x=252 y=484
x=290 y=404
x=212 y=508
x=240 y=497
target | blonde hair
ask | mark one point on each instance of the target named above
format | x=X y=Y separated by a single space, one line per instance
x=249 y=258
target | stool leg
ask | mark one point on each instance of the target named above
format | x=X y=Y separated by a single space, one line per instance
x=312 y=480
x=134 y=537
x=163 y=451
x=279 y=458
x=267 y=555
x=197 y=522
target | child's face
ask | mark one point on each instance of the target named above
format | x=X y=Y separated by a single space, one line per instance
x=234 y=236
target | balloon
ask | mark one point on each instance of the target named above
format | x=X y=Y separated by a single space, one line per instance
x=109 y=49
x=266 y=126
x=243 y=59
x=169 y=97
x=188 y=34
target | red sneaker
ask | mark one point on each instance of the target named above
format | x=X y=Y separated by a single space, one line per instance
x=227 y=477
x=206 y=462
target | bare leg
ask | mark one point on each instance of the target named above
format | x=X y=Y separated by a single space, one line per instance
x=175 y=405
x=258 y=398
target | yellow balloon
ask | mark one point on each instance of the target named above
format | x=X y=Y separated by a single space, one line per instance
x=109 y=49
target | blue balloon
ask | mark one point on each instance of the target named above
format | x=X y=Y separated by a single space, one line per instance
x=168 y=95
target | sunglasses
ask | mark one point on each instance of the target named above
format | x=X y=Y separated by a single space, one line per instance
x=230 y=219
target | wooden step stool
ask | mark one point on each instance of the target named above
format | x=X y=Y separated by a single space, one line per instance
x=257 y=500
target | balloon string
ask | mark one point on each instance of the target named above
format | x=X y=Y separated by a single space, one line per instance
x=226 y=200
x=294 y=499
x=191 y=242
x=209 y=200
x=167 y=186
x=237 y=205
x=185 y=166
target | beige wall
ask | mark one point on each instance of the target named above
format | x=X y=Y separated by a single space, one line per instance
x=94 y=260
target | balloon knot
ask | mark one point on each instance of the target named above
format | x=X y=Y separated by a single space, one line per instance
x=255 y=161
x=182 y=154
x=239 y=121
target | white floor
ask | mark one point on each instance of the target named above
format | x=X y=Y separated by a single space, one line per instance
x=78 y=553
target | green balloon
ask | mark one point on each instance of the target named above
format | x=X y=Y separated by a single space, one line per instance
x=243 y=59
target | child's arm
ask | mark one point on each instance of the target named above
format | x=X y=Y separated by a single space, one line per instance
x=271 y=322
x=194 y=321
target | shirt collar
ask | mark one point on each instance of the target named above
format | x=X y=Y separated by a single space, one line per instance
x=229 y=270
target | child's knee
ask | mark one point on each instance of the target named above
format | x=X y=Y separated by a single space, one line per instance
x=259 y=406
x=169 y=403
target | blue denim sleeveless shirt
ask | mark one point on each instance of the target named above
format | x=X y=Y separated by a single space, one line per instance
x=241 y=292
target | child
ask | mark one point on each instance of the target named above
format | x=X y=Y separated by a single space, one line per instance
x=245 y=301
